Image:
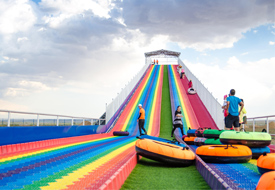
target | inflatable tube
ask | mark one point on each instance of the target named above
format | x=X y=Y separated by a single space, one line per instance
x=257 y=152
x=189 y=140
x=266 y=163
x=191 y=91
x=267 y=181
x=251 y=139
x=121 y=133
x=199 y=132
x=183 y=136
x=212 y=142
x=199 y=141
x=164 y=152
x=191 y=132
x=224 y=153
x=212 y=133
x=162 y=140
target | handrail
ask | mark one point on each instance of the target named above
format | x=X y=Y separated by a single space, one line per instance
x=261 y=117
x=55 y=115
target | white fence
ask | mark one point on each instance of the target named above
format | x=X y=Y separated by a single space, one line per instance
x=117 y=102
x=257 y=124
x=69 y=120
x=210 y=102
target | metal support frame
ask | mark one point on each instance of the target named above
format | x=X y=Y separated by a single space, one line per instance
x=57 y=121
x=37 y=122
x=9 y=119
x=267 y=125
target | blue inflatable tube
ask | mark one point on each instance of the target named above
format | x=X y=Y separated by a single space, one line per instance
x=257 y=152
x=191 y=132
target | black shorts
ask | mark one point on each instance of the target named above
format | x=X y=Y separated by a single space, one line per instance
x=232 y=120
x=225 y=120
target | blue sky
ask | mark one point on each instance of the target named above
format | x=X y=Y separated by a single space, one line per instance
x=254 y=45
x=66 y=57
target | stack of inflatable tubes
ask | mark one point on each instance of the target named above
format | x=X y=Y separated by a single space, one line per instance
x=183 y=136
x=224 y=153
x=191 y=132
x=121 y=133
x=212 y=133
x=212 y=142
x=199 y=132
x=165 y=152
x=251 y=139
x=267 y=181
x=189 y=140
x=199 y=141
x=257 y=152
x=266 y=163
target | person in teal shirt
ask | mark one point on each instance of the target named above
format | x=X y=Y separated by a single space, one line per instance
x=233 y=111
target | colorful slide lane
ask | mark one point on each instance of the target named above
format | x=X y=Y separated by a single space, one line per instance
x=236 y=176
x=178 y=97
x=203 y=116
x=85 y=162
x=149 y=95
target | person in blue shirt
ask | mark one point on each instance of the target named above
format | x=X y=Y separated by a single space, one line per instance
x=233 y=112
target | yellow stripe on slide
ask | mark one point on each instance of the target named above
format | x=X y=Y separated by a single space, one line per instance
x=253 y=161
x=136 y=102
x=47 y=150
x=150 y=127
x=81 y=172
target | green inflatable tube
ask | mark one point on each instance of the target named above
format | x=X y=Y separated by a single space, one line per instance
x=212 y=141
x=250 y=139
x=212 y=133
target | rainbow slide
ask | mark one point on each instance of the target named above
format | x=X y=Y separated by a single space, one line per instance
x=86 y=162
x=179 y=97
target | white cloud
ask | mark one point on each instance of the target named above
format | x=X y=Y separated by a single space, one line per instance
x=211 y=24
x=245 y=53
x=64 y=9
x=24 y=88
x=253 y=81
x=16 y=16
x=8 y=105
x=22 y=39
x=271 y=43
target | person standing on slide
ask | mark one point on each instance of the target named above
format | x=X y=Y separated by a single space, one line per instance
x=141 y=119
x=232 y=110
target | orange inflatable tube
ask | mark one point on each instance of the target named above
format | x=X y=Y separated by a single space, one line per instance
x=266 y=163
x=267 y=181
x=189 y=140
x=165 y=152
x=224 y=153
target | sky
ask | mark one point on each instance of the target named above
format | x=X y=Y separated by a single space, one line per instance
x=72 y=57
